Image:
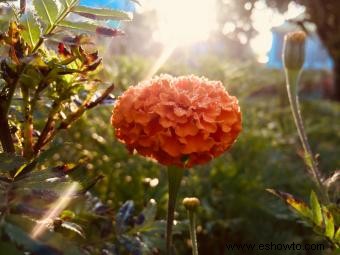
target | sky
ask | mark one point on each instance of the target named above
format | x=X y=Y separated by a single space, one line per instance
x=184 y=22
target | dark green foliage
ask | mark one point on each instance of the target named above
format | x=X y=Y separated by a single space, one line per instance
x=28 y=196
x=235 y=206
x=319 y=216
x=48 y=82
x=46 y=85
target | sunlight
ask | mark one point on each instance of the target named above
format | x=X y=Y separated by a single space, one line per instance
x=264 y=19
x=165 y=54
x=55 y=210
x=181 y=22
x=184 y=22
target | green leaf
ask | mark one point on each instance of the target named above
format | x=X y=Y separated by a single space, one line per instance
x=10 y=162
x=25 y=242
x=49 y=239
x=316 y=210
x=40 y=159
x=106 y=31
x=149 y=212
x=31 y=32
x=297 y=205
x=337 y=235
x=68 y=3
x=73 y=227
x=5 y=18
x=100 y=14
x=47 y=11
x=147 y=218
x=329 y=223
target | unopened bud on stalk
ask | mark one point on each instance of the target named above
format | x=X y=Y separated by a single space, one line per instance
x=294 y=50
x=191 y=203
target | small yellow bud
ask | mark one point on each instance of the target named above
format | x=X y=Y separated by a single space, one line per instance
x=294 y=50
x=191 y=203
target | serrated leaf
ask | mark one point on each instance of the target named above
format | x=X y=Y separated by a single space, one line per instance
x=31 y=32
x=47 y=10
x=297 y=205
x=316 y=209
x=100 y=13
x=84 y=26
x=329 y=223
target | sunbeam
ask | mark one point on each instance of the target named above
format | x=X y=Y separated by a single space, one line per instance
x=55 y=210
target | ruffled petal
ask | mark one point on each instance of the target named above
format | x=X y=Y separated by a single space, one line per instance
x=168 y=119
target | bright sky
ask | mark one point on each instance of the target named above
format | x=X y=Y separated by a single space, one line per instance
x=183 y=22
x=264 y=19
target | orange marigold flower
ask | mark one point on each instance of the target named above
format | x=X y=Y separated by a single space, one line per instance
x=180 y=121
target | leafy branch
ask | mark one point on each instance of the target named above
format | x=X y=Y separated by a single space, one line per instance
x=27 y=195
x=24 y=40
x=322 y=218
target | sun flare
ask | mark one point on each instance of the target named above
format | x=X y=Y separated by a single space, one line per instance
x=185 y=21
x=181 y=23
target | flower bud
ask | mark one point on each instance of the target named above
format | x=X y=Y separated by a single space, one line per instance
x=294 y=50
x=191 y=203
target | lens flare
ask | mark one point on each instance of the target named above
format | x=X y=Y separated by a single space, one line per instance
x=55 y=210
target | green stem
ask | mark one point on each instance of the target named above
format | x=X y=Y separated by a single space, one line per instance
x=28 y=124
x=174 y=180
x=192 y=229
x=292 y=78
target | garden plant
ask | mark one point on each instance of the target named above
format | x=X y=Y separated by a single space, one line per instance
x=64 y=189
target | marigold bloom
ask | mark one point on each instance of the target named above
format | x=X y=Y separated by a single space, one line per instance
x=177 y=121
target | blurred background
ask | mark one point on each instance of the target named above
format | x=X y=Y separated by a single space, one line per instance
x=238 y=42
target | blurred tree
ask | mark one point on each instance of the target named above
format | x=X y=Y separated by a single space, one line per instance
x=140 y=29
x=235 y=26
x=236 y=16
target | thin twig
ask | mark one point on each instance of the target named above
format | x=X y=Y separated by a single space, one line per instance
x=49 y=132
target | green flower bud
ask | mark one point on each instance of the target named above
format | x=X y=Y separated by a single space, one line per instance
x=191 y=203
x=294 y=50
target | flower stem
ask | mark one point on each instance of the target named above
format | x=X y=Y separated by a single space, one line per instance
x=292 y=79
x=174 y=180
x=192 y=229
